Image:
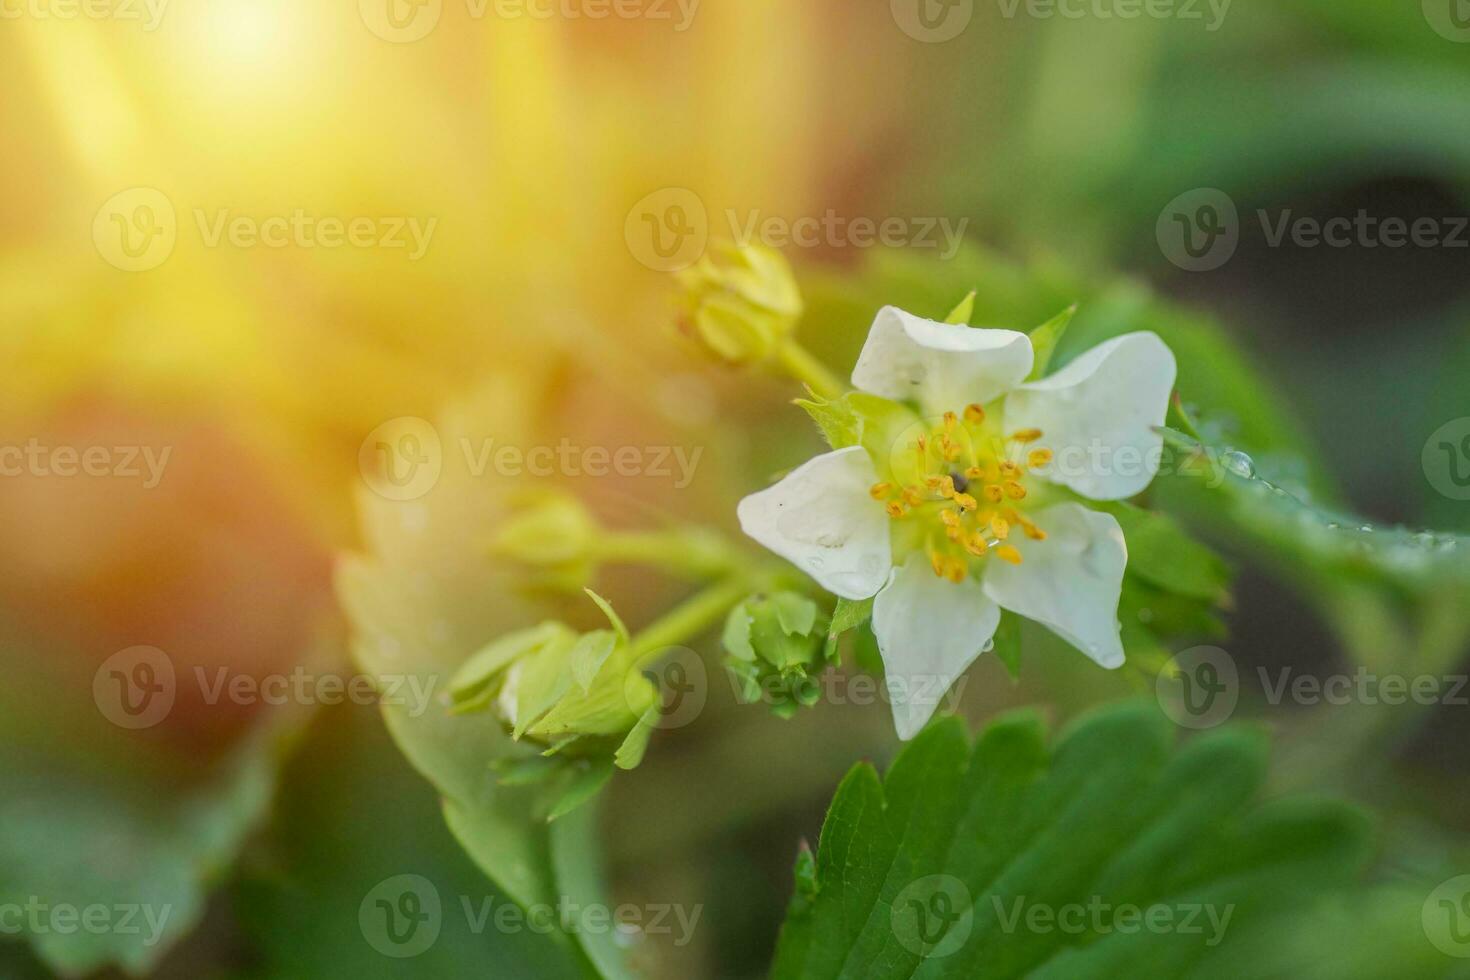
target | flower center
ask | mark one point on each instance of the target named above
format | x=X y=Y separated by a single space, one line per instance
x=967 y=492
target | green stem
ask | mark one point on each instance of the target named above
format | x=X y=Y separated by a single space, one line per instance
x=801 y=365
x=691 y=617
x=696 y=552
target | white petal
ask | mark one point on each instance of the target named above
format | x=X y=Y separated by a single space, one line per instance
x=929 y=630
x=822 y=519
x=1069 y=583
x=1097 y=415
x=945 y=367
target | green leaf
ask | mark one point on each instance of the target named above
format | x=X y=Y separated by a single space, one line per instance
x=1163 y=554
x=933 y=871
x=1045 y=338
x=353 y=819
x=93 y=815
x=418 y=607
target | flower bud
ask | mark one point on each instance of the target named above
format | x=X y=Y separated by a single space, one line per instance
x=575 y=693
x=554 y=535
x=776 y=646
x=740 y=305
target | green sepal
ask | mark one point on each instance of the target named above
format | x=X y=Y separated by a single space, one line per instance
x=1044 y=340
x=960 y=315
x=587 y=781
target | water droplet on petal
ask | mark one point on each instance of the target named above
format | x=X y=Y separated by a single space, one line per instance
x=989 y=645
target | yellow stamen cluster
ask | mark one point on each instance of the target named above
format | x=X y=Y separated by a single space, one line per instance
x=971 y=481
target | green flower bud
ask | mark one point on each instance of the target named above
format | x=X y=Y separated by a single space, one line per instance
x=741 y=304
x=777 y=645
x=574 y=693
x=554 y=535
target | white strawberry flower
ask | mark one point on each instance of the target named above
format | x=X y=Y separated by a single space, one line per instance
x=921 y=515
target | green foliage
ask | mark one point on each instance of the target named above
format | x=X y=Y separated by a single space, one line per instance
x=937 y=870
x=417 y=607
x=353 y=815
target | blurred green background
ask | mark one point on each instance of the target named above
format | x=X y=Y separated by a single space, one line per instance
x=1061 y=142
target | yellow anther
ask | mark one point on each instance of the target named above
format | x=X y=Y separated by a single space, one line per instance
x=880 y=490
x=950 y=518
x=994 y=493
x=976 y=545
x=955 y=570
x=912 y=496
x=1034 y=533
x=1000 y=527
x=954 y=533
x=1038 y=457
x=936 y=562
x=950 y=421
x=895 y=509
x=1009 y=470
x=946 y=487
x=966 y=501
x=1026 y=435
x=974 y=473
x=1015 y=491
x=974 y=414
x=1008 y=553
